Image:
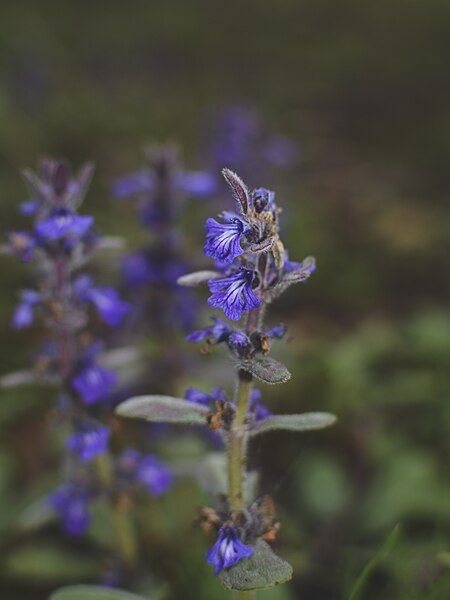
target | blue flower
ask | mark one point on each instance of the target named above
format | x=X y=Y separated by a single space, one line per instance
x=256 y=408
x=107 y=301
x=71 y=503
x=263 y=199
x=228 y=550
x=240 y=342
x=203 y=398
x=223 y=240
x=134 y=184
x=89 y=442
x=277 y=332
x=156 y=477
x=63 y=224
x=93 y=382
x=197 y=183
x=24 y=313
x=217 y=332
x=29 y=207
x=234 y=294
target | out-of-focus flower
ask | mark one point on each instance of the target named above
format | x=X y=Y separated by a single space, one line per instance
x=93 y=382
x=24 y=313
x=89 y=442
x=71 y=503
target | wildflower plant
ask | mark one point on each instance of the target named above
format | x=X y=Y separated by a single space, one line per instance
x=252 y=270
x=76 y=314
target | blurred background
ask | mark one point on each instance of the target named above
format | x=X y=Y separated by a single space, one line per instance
x=361 y=91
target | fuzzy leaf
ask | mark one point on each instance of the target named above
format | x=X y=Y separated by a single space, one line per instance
x=92 y=592
x=302 y=422
x=266 y=369
x=18 y=378
x=301 y=275
x=196 y=278
x=262 y=570
x=163 y=409
x=239 y=189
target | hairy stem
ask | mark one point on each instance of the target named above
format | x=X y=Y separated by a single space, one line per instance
x=236 y=444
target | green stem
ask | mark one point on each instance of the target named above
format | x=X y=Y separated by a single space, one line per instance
x=124 y=531
x=236 y=444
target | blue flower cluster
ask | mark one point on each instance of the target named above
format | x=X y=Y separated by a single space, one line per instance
x=240 y=139
x=60 y=241
x=160 y=191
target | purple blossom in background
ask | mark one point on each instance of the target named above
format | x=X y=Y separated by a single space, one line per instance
x=107 y=301
x=63 y=224
x=203 y=398
x=277 y=332
x=71 y=503
x=228 y=550
x=29 y=208
x=223 y=240
x=154 y=475
x=93 y=382
x=234 y=294
x=256 y=408
x=89 y=442
x=216 y=332
x=24 y=313
x=241 y=140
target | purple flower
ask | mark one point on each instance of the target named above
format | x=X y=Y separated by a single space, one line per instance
x=197 y=183
x=217 y=332
x=234 y=294
x=240 y=342
x=256 y=408
x=24 y=313
x=89 y=442
x=71 y=503
x=154 y=475
x=223 y=240
x=228 y=550
x=93 y=382
x=277 y=332
x=132 y=185
x=199 y=397
x=135 y=269
x=63 y=224
x=263 y=199
x=107 y=301
x=29 y=207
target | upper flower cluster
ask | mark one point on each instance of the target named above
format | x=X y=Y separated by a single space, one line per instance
x=253 y=265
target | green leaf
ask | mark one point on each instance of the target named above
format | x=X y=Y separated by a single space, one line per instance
x=302 y=422
x=92 y=592
x=262 y=570
x=266 y=369
x=163 y=409
x=381 y=554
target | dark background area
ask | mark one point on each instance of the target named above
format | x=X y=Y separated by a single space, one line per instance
x=364 y=90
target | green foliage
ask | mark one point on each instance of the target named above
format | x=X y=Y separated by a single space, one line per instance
x=382 y=553
x=303 y=422
x=163 y=409
x=264 y=569
x=266 y=369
